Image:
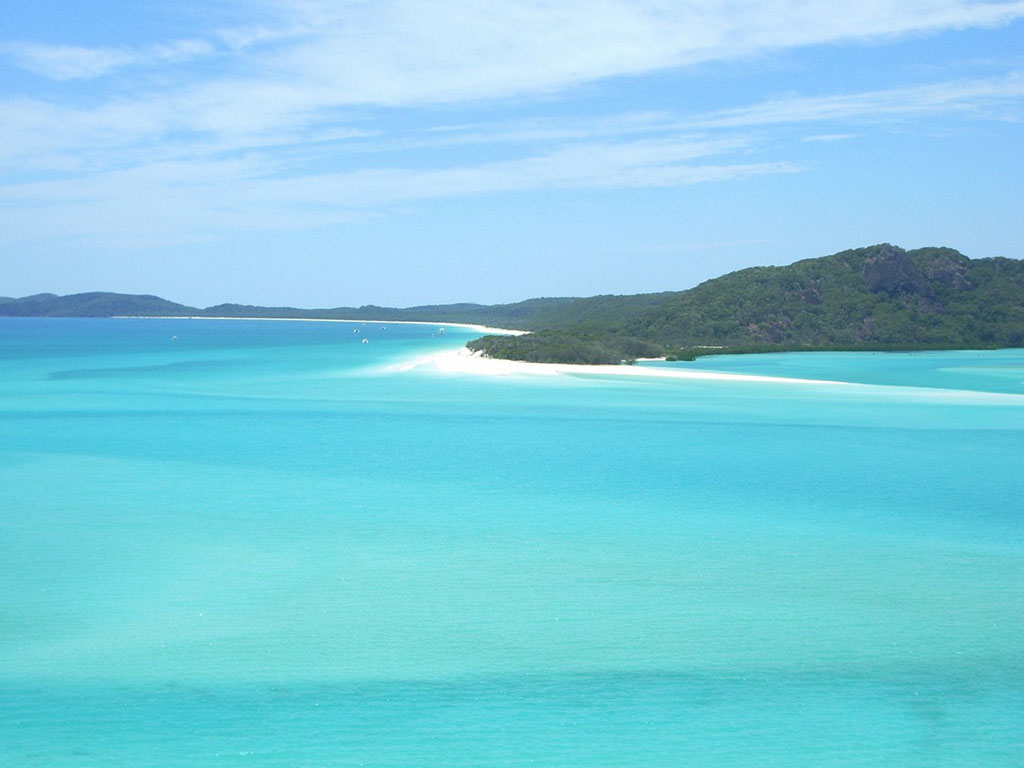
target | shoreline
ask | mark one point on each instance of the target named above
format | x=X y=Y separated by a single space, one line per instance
x=463 y=361
x=442 y=324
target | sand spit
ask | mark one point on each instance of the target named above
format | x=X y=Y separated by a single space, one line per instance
x=464 y=361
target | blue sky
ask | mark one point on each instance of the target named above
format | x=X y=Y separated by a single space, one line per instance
x=316 y=153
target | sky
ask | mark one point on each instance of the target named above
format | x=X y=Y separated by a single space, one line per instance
x=320 y=153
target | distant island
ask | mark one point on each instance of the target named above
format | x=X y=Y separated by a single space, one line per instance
x=876 y=298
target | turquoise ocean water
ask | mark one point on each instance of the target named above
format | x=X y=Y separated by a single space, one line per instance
x=255 y=545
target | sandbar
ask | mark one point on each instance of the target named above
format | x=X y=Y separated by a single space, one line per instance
x=466 y=362
x=463 y=361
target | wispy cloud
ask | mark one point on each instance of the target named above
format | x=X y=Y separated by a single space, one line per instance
x=298 y=62
x=997 y=97
x=829 y=137
x=394 y=52
x=200 y=144
x=196 y=189
x=66 y=62
x=965 y=96
x=69 y=62
x=173 y=201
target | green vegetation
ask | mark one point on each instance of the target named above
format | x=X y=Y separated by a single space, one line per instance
x=877 y=298
x=525 y=315
x=91 y=305
x=567 y=347
x=865 y=297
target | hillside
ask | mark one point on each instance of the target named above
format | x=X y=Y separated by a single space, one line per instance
x=532 y=313
x=880 y=297
x=90 y=305
x=525 y=315
x=870 y=296
x=528 y=315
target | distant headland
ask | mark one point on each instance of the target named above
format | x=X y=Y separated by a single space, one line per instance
x=876 y=298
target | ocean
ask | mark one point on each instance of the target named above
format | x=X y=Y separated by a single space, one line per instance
x=265 y=543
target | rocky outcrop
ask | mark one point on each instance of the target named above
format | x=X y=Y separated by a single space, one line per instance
x=894 y=272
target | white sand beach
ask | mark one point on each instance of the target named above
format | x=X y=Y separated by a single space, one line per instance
x=464 y=361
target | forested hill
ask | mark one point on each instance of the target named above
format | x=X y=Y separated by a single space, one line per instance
x=880 y=297
x=89 y=305
x=532 y=314
x=524 y=314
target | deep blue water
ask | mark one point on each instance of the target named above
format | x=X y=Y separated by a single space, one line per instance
x=254 y=544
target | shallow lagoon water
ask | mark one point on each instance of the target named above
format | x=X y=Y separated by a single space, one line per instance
x=257 y=545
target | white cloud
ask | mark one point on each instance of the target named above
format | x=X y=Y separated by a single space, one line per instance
x=993 y=98
x=829 y=137
x=150 y=157
x=115 y=187
x=182 y=201
x=401 y=52
x=66 y=62
x=965 y=96
x=644 y=163
x=330 y=53
x=69 y=62
x=300 y=63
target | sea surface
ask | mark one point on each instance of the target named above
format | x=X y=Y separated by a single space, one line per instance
x=257 y=543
